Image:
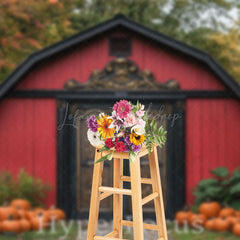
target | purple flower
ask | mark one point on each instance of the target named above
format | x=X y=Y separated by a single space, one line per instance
x=126 y=149
x=92 y=124
x=127 y=140
x=136 y=148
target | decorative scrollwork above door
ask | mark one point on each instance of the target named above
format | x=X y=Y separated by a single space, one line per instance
x=121 y=74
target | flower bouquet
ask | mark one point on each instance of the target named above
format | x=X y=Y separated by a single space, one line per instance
x=126 y=130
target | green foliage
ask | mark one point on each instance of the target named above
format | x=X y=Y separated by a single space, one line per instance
x=24 y=186
x=222 y=188
x=154 y=135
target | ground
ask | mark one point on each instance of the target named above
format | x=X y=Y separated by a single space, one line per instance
x=78 y=231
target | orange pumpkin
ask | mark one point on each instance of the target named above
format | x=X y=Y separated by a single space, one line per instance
x=6 y=212
x=236 y=229
x=56 y=214
x=210 y=209
x=22 y=214
x=197 y=219
x=11 y=225
x=221 y=224
x=40 y=212
x=39 y=222
x=25 y=225
x=30 y=215
x=226 y=212
x=209 y=224
x=237 y=214
x=21 y=204
x=232 y=220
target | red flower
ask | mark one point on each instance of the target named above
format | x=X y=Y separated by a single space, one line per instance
x=109 y=143
x=120 y=147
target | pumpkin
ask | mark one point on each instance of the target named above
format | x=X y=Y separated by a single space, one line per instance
x=236 y=229
x=25 y=225
x=237 y=214
x=22 y=214
x=39 y=222
x=42 y=213
x=30 y=215
x=197 y=219
x=56 y=214
x=210 y=209
x=226 y=212
x=209 y=224
x=221 y=224
x=11 y=225
x=21 y=204
x=6 y=212
x=232 y=220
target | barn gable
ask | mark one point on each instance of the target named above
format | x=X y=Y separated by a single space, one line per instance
x=120 y=23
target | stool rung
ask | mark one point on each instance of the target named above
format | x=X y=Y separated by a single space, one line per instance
x=149 y=198
x=145 y=225
x=115 y=190
x=143 y=180
x=104 y=195
x=107 y=238
x=111 y=234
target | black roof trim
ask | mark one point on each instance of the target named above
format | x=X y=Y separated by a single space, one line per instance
x=99 y=29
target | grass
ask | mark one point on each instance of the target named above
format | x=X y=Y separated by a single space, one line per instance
x=205 y=235
x=60 y=234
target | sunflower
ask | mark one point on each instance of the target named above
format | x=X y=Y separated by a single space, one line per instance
x=137 y=139
x=104 y=122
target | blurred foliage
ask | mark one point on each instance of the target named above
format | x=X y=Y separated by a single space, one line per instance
x=24 y=186
x=223 y=187
x=27 y=26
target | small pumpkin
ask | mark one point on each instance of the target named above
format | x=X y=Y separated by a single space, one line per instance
x=25 y=225
x=237 y=214
x=232 y=220
x=40 y=212
x=6 y=212
x=30 y=215
x=39 y=222
x=209 y=224
x=11 y=225
x=22 y=213
x=221 y=224
x=236 y=229
x=197 y=219
x=226 y=212
x=21 y=204
x=56 y=214
x=210 y=209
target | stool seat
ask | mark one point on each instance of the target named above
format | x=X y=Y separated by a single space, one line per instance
x=100 y=192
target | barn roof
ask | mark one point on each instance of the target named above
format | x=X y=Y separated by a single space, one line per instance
x=118 y=21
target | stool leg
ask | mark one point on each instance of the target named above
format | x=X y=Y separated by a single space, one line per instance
x=94 y=205
x=158 y=202
x=136 y=199
x=117 y=198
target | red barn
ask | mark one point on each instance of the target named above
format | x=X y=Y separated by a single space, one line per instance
x=46 y=100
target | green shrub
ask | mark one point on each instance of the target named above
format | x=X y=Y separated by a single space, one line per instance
x=221 y=187
x=24 y=186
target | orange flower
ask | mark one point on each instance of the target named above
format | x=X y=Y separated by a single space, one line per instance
x=104 y=123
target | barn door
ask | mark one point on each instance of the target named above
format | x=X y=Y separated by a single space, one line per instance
x=75 y=159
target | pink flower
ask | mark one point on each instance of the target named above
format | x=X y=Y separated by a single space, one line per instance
x=141 y=122
x=130 y=120
x=122 y=108
x=140 y=113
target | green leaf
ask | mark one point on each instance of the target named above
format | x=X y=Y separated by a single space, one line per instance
x=220 y=172
x=104 y=158
x=207 y=182
x=104 y=148
x=132 y=156
x=235 y=188
x=155 y=127
x=152 y=123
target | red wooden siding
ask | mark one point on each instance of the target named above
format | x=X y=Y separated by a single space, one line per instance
x=212 y=138
x=80 y=62
x=28 y=139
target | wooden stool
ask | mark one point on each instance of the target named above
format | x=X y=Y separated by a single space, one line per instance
x=101 y=192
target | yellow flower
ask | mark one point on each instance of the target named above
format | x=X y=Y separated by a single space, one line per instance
x=104 y=130
x=137 y=139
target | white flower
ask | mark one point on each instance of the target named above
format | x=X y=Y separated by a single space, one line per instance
x=138 y=129
x=94 y=138
x=101 y=114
